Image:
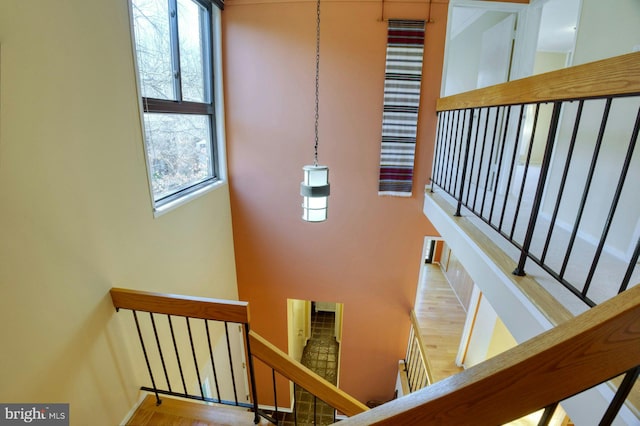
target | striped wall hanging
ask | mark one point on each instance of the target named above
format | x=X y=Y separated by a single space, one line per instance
x=403 y=75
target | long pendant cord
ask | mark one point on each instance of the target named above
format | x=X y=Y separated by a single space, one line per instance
x=315 y=158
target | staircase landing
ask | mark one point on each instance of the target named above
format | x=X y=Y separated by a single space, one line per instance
x=186 y=413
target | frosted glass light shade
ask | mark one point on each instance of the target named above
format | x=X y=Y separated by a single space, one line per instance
x=314 y=189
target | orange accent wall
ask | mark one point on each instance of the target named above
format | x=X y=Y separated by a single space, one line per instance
x=368 y=254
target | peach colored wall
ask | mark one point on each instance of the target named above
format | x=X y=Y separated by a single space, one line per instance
x=368 y=254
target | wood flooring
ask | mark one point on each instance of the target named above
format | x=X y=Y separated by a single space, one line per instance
x=441 y=318
x=175 y=412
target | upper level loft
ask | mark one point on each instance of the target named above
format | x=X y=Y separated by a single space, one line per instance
x=573 y=221
x=543 y=241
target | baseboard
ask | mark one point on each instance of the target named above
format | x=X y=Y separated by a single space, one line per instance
x=141 y=396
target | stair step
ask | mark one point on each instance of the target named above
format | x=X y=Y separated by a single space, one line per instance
x=174 y=411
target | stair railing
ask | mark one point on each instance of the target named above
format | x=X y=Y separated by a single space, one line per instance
x=171 y=351
x=584 y=121
x=321 y=389
x=416 y=362
x=592 y=348
x=175 y=334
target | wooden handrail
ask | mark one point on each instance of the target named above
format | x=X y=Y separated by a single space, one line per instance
x=301 y=375
x=576 y=355
x=421 y=345
x=175 y=304
x=609 y=77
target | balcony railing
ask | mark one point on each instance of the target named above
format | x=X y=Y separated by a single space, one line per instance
x=550 y=163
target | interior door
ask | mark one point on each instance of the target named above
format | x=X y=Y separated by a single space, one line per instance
x=496 y=52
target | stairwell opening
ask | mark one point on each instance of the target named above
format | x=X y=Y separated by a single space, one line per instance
x=315 y=333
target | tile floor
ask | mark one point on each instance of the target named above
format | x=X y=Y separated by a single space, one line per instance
x=321 y=356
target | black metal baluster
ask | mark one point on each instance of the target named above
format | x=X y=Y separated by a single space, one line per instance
x=512 y=167
x=464 y=165
x=621 y=395
x=195 y=359
x=614 y=204
x=414 y=363
x=563 y=180
x=414 y=369
x=315 y=403
x=146 y=358
x=175 y=347
x=630 y=268
x=295 y=404
x=524 y=173
x=411 y=336
x=587 y=186
x=213 y=364
x=233 y=376
x=164 y=367
x=407 y=361
x=437 y=159
x=423 y=380
x=275 y=393
x=500 y=157
x=252 y=376
x=409 y=366
x=493 y=146
x=455 y=179
x=447 y=149
x=452 y=150
x=484 y=140
x=544 y=169
x=446 y=138
x=446 y=127
x=547 y=414
x=475 y=147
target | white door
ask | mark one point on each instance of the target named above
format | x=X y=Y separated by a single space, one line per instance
x=494 y=68
x=495 y=52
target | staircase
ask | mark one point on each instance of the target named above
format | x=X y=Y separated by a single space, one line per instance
x=187 y=343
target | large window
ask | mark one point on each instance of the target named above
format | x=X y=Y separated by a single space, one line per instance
x=173 y=42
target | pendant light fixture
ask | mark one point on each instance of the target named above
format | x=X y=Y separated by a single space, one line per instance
x=315 y=185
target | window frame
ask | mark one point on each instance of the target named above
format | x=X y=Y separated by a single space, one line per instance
x=212 y=106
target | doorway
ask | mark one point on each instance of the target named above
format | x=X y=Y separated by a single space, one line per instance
x=315 y=333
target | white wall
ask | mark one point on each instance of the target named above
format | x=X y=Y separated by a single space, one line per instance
x=604 y=31
x=75 y=215
x=463 y=60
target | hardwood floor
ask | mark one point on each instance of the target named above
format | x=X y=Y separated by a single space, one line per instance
x=174 y=412
x=441 y=318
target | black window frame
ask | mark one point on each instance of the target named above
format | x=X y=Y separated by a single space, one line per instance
x=180 y=106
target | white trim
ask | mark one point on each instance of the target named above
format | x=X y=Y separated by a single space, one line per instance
x=172 y=205
x=218 y=93
x=141 y=396
x=395 y=194
x=468 y=326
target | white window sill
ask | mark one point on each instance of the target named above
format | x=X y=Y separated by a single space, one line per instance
x=165 y=208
